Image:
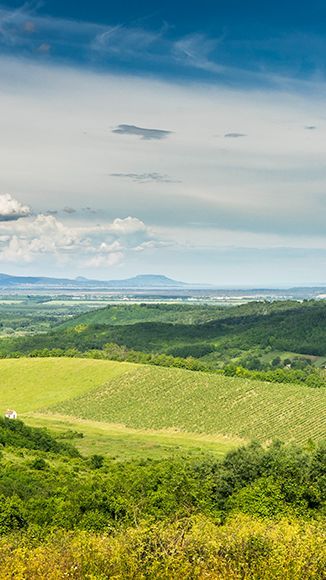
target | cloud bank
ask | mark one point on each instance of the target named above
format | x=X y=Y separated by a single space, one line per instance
x=45 y=238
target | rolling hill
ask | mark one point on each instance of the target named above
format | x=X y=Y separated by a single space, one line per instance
x=141 y=397
x=280 y=326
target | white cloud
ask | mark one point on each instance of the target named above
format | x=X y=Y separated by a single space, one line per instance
x=128 y=226
x=195 y=50
x=11 y=209
x=45 y=237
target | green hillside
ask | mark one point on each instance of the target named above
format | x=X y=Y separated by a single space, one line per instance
x=160 y=398
x=155 y=398
x=121 y=314
x=279 y=326
x=32 y=384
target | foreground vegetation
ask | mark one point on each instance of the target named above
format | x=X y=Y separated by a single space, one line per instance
x=145 y=474
x=192 y=549
x=258 y=513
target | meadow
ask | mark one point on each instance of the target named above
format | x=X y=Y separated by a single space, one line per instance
x=28 y=385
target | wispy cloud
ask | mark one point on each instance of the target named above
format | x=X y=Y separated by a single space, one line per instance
x=197 y=50
x=146 y=177
x=121 y=40
x=234 y=135
x=69 y=210
x=137 y=47
x=142 y=132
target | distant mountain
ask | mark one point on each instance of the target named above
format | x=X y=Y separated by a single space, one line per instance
x=140 y=281
x=147 y=281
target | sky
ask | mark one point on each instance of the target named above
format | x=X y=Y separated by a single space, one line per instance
x=178 y=138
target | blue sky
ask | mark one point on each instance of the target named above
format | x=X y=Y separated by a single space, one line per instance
x=183 y=138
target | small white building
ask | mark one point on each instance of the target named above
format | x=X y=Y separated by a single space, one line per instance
x=11 y=414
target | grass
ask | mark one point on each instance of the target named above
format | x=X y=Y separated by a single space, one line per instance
x=168 y=398
x=122 y=443
x=31 y=384
x=128 y=410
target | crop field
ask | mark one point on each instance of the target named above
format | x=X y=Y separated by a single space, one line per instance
x=143 y=398
x=148 y=397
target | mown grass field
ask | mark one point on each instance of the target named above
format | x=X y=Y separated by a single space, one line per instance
x=32 y=384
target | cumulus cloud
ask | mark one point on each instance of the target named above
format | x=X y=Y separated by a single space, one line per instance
x=146 y=177
x=45 y=237
x=127 y=226
x=142 y=132
x=69 y=210
x=11 y=209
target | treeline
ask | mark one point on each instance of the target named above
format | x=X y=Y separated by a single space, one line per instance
x=309 y=375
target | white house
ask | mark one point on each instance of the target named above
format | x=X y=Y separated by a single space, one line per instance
x=11 y=414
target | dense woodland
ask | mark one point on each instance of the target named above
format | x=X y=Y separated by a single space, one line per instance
x=282 y=326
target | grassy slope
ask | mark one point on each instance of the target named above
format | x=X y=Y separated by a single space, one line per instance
x=122 y=443
x=155 y=398
x=161 y=398
x=31 y=384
